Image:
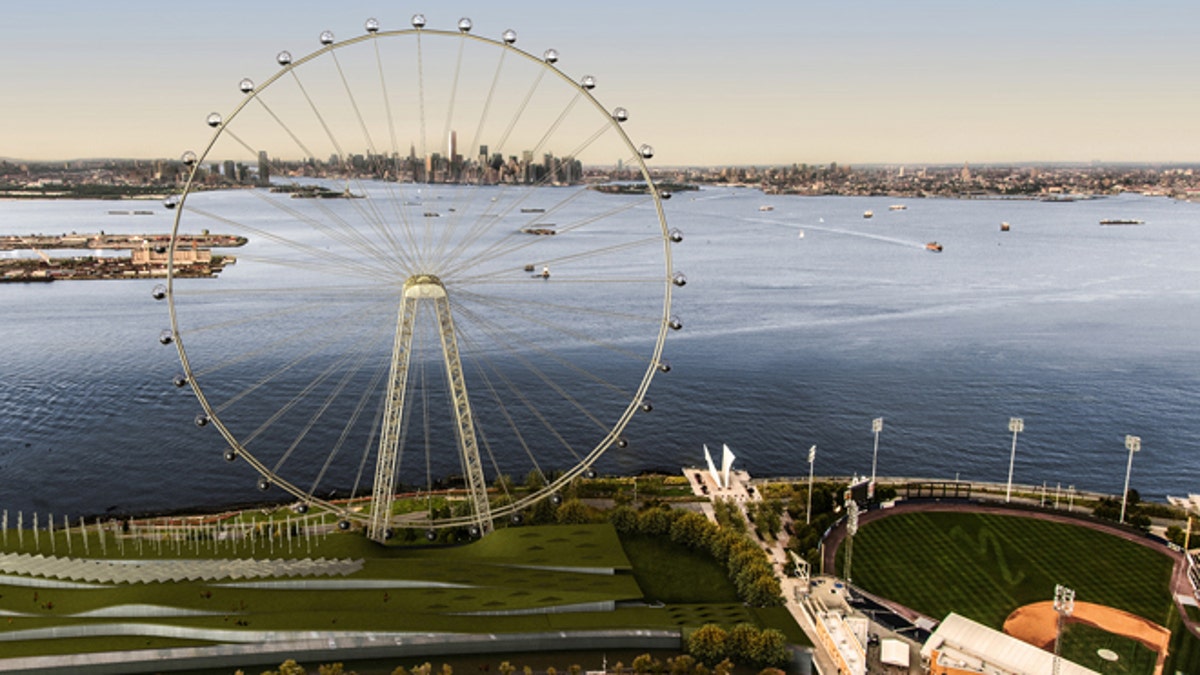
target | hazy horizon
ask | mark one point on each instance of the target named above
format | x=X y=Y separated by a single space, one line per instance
x=877 y=83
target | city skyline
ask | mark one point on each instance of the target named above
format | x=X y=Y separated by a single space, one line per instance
x=773 y=83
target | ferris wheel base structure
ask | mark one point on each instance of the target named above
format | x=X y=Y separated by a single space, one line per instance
x=421 y=288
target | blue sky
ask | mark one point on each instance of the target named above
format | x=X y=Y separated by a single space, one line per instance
x=706 y=82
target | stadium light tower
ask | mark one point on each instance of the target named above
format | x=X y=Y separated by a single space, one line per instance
x=1016 y=425
x=812 y=458
x=876 y=426
x=1064 y=605
x=1133 y=444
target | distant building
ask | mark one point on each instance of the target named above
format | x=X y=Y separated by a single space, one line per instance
x=264 y=169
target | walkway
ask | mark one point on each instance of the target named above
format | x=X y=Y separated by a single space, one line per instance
x=157 y=571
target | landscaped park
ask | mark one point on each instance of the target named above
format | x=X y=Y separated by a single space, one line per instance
x=645 y=582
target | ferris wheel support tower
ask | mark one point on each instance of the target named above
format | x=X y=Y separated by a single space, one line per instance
x=418 y=288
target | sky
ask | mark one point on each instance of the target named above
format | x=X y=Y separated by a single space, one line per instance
x=706 y=83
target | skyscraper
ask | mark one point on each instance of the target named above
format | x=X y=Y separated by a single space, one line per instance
x=264 y=169
x=452 y=146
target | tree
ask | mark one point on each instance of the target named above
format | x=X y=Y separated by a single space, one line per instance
x=645 y=664
x=690 y=529
x=770 y=649
x=707 y=643
x=624 y=519
x=723 y=668
x=681 y=665
x=1175 y=535
x=573 y=512
x=739 y=642
x=331 y=669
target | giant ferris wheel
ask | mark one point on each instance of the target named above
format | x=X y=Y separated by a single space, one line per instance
x=435 y=298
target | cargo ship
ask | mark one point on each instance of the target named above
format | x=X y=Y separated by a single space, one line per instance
x=933 y=246
x=1122 y=221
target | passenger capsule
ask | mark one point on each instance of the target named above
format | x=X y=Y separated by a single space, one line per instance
x=556 y=499
x=647 y=151
x=171 y=202
x=590 y=473
x=389 y=533
x=664 y=195
x=516 y=519
x=679 y=279
x=620 y=114
x=647 y=406
x=510 y=36
x=188 y=158
x=675 y=323
x=213 y=119
x=326 y=37
x=246 y=85
x=464 y=25
x=664 y=367
x=622 y=443
x=230 y=455
x=264 y=484
x=302 y=509
x=474 y=531
x=418 y=21
x=343 y=525
x=284 y=57
x=550 y=55
x=166 y=336
x=372 y=25
x=201 y=420
x=588 y=82
x=431 y=535
x=180 y=380
x=160 y=249
x=159 y=292
x=676 y=235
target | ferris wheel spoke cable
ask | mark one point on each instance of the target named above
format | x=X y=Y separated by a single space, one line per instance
x=589 y=309
x=509 y=339
x=503 y=248
x=401 y=215
x=316 y=254
x=519 y=344
x=344 y=328
x=504 y=412
x=334 y=300
x=352 y=367
x=520 y=313
x=519 y=395
x=296 y=400
x=368 y=395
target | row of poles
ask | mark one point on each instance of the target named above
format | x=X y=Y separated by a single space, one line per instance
x=177 y=539
x=1016 y=425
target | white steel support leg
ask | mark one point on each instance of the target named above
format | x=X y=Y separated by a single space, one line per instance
x=417 y=288
x=468 y=444
x=384 y=492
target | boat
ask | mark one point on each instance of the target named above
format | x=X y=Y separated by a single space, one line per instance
x=801 y=234
x=933 y=246
x=541 y=229
x=868 y=214
x=432 y=214
x=1004 y=226
x=766 y=207
x=897 y=207
x=1122 y=221
x=534 y=210
x=545 y=273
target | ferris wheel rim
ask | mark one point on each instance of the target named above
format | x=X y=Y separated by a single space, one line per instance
x=562 y=478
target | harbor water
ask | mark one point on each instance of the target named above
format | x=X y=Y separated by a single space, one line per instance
x=802 y=323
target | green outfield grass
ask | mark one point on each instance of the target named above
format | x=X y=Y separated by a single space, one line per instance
x=984 y=566
x=1082 y=643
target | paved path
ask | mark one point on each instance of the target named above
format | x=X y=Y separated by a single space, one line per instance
x=1180 y=585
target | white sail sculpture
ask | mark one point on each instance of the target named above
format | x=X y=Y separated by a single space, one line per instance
x=721 y=478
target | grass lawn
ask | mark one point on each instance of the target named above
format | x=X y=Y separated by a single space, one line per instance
x=670 y=572
x=1082 y=643
x=519 y=570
